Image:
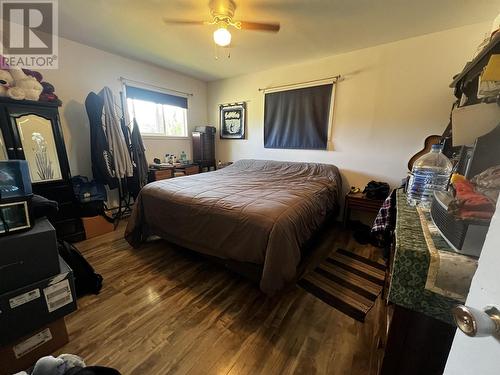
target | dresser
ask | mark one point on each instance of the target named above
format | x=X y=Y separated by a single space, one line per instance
x=31 y=131
x=422 y=294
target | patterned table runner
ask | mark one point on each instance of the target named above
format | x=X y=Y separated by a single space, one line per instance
x=410 y=268
x=450 y=273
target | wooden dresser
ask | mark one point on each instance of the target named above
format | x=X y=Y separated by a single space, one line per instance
x=160 y=174
x=178 y=171
x=422 y=329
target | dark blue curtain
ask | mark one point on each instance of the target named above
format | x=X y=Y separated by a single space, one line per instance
x=298 y=119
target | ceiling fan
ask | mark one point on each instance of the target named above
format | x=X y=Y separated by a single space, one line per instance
x=222 y=12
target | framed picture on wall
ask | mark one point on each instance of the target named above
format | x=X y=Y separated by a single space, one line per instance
x=232 y=120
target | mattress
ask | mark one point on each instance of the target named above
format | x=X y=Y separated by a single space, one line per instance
x=255 y=211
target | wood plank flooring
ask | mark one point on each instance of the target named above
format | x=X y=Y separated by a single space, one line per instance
x=165 y=311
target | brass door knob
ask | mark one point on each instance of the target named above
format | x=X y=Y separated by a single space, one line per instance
x=477 y=323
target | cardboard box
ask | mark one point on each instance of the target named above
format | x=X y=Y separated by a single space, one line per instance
x=96 y=226
x=29 y=256
x=23 y=353
x=25 y=309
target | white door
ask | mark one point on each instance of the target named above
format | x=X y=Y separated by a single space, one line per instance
x=480 y=355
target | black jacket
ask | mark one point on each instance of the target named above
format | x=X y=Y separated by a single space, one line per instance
x=102 y=159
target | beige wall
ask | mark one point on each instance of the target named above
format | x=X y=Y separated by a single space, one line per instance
x=393 y=96
x=83 y=69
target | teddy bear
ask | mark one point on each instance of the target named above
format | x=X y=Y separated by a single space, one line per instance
x=6 y=82
x=20 y=84
x=8 y=88
x=28 y=84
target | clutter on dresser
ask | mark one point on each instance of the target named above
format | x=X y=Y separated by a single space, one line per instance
x=15 y=197
x=463 y=214
x=489 y=80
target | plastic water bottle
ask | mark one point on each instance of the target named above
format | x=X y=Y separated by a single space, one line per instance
x=431 y=172
x=183 y=157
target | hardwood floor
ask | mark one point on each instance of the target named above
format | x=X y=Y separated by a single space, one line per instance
x=165 y=311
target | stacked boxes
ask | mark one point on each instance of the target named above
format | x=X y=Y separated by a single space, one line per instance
x=36 y=291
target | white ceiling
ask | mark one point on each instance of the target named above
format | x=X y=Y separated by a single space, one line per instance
x=309 y=29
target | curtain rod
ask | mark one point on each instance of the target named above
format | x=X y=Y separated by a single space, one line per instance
x=124 y=80
x=335 y=78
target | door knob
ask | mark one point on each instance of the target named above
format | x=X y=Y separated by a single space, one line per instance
x=477 y=323
x=19 y=149
x=10 y=148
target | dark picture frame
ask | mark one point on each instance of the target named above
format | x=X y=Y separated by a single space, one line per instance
x=233 y=120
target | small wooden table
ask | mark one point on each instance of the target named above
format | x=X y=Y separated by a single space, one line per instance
x=160 y=174
x=359 y=201
x=188 y=169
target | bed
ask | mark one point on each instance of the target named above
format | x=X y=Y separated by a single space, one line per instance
x=259 y=212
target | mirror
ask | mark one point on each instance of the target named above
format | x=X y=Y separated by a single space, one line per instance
x=39 y=148
x=3 y=149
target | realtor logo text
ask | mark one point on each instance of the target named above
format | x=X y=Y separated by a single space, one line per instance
x=29 y=34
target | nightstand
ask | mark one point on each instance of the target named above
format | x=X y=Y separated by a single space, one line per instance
x=160 y=174
x=359 y=202
x=187 y=170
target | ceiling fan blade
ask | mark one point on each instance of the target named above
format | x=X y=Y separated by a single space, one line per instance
x=183 y=22
x=272 y=27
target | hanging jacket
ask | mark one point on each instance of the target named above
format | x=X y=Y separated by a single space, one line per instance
x=116 y=140
x=101 y=157
x=139 y=155
x=137 y=152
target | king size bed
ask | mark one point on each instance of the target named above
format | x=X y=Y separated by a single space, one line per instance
x=256 y=212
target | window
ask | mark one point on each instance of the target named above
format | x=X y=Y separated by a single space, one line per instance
x=156 y=113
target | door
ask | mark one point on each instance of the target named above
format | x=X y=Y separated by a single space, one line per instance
x=480 y=355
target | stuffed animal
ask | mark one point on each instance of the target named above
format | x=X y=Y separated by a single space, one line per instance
x=66 y=364
x=6 y=82
x=48 y=94
x=32 y=73
x=29 y=85
x=57 y=366
x=20 y=84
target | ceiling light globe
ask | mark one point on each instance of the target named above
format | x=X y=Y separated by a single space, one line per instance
x=222 y=37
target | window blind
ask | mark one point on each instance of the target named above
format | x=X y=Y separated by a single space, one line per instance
x=156 y=97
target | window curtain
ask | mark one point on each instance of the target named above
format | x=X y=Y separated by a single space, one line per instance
x=298 y=118
x=155 y=97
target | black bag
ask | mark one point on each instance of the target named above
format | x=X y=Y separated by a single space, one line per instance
x=87 y=281
x=377 y=190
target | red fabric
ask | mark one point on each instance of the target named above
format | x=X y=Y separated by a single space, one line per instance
x=471 y=204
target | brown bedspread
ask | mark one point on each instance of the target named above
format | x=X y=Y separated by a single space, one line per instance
x=254 y=211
